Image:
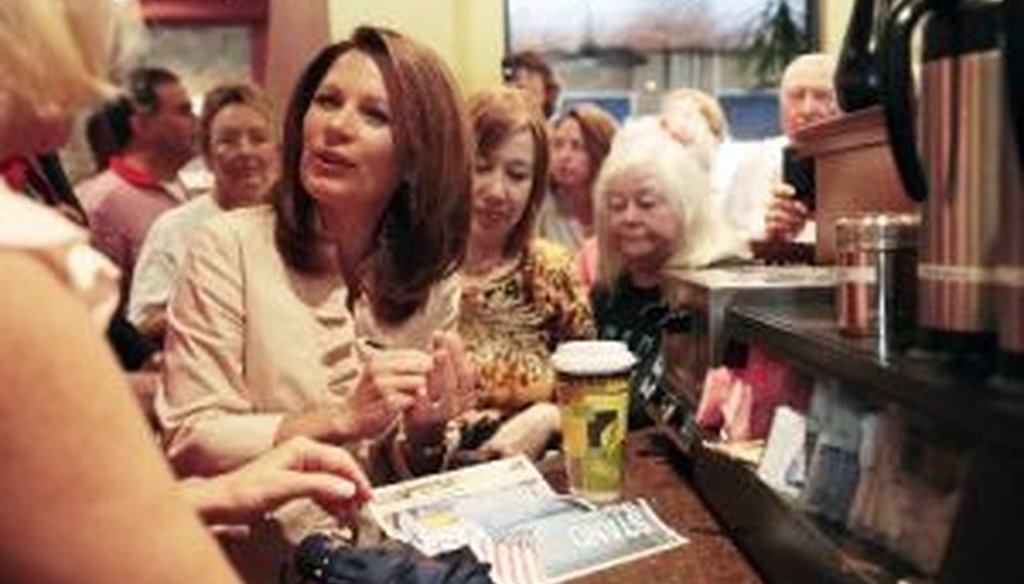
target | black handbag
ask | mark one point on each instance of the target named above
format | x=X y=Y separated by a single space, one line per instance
x=324 y=560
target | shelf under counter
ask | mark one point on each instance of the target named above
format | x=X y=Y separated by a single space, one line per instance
x=786 y=543
x=959 y=392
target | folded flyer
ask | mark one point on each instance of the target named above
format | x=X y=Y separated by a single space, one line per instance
x=510 y=517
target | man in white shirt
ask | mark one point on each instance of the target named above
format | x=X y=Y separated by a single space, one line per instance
x=240 y=146
x=757 y=202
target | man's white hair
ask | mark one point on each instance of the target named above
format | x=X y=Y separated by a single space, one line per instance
x=819 y=65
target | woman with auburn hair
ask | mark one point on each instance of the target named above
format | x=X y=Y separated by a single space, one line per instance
x=580 y=141
x=521 y=297
x=329 y=314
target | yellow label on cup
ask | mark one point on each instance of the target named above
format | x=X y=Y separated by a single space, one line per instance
x=594 y=425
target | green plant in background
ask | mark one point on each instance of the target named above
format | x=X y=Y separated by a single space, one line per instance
x=776 y=37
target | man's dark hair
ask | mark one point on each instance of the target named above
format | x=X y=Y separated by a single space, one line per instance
x=108 y=130
x=142 y=87
x=533 y=61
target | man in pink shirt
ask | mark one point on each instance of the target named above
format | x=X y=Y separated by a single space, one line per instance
x=142 y=181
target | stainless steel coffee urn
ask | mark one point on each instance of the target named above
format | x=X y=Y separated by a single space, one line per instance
x=950 y=155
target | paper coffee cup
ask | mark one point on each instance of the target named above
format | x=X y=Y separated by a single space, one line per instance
x=593 y=396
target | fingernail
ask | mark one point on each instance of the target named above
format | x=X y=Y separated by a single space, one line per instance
x=347 y=489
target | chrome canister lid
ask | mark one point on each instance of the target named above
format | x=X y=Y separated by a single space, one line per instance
x=877 y=231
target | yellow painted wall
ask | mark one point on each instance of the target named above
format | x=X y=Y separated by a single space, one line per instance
x=481 y=26
x=468 y=34
x=834 y=16
x=296 y=32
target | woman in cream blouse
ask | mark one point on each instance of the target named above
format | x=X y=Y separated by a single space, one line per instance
x=324 y=315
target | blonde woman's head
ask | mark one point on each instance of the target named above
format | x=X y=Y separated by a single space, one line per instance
x=685 y=100
x=653 y=209
x=55 y=55
x=695 y=119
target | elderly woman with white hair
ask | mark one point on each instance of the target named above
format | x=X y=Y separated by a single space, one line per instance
x=654 y=219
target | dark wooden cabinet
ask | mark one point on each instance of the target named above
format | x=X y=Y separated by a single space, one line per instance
x=958 y=397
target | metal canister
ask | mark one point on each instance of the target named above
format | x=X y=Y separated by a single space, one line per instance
x=876 y=293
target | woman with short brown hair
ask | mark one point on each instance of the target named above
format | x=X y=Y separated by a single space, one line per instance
x=521 y=297
x=580 y=141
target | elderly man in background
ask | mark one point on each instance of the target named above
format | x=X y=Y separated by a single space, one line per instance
x=757 y=202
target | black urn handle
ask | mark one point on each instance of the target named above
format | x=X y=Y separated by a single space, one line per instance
x=856 y=79
x=1014 y=35
x=898 y=93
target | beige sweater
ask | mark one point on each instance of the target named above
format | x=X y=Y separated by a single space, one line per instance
x=249 y=340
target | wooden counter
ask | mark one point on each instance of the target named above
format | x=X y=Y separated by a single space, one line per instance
x=709 y=558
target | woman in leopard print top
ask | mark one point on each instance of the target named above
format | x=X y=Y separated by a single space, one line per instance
x=521 y=296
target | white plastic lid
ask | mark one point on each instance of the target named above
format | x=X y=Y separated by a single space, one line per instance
x=592 y=358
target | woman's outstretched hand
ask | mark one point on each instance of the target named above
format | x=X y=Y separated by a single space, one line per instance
x=451 y=391
x=298 y=468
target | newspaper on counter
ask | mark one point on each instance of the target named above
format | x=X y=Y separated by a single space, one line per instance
x=510 y=517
